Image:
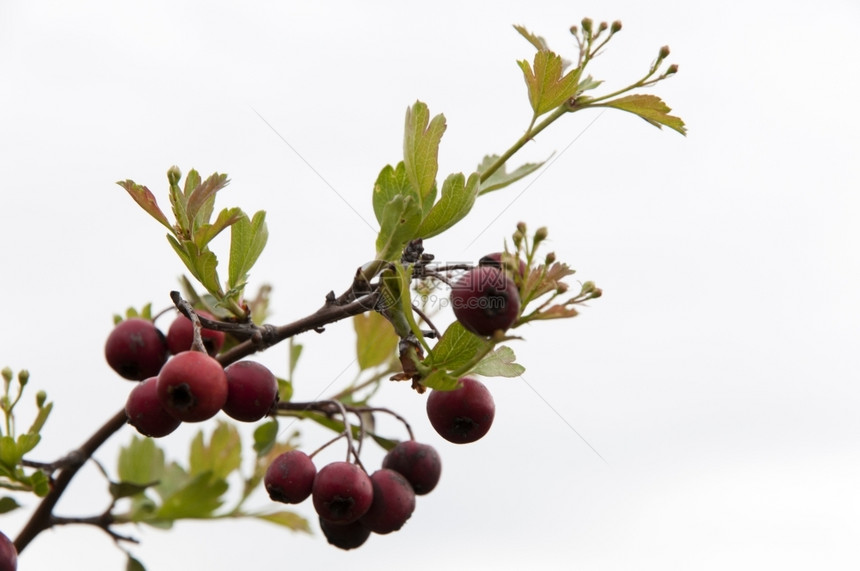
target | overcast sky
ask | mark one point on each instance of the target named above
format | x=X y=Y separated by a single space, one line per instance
x=717 y=376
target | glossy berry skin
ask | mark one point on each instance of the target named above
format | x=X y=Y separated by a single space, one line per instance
x=344 y=536
x=136 y=349
x=290 y=477
x=495 y=260
x=463 y=415
x=342 y=492
x=418 y=463
x=180 y=335
x=145 y=412
x=192 y=386
x=485 y=300
x=252 y=391
x=9 y=555
x=393 y=502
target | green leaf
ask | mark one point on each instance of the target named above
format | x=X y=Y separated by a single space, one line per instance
x=127 y=489
x=146 y=200
x=400 y=220
x=27 y=442
x=391 y=182
x=537 y=41
x=201 y=201
x=456 y=348
x=285 y=390
x=141 y=462
x=499 y=363
x=40 y=483
x=206 y=269
x=458 y=196
x=290 y=520
x=221 y=456
x=207 y=232
x=198 y=499
x=9 y=453
x=375 y=339
x=440 y=380
x=649 y=107
x=7 y=504
x=295 y=353
x=501 y=178
x=547 y=87
x=247 y=239
x=265 y=437
x=386 y=443
x=179 y=203
x=421 y=150
x=133 y=564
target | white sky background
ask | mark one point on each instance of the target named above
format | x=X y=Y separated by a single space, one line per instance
x=717 y=375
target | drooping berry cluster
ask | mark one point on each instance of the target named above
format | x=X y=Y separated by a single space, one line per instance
x=350 y=503
x=178 y=384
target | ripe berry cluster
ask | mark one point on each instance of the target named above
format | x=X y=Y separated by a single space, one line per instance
x=350 y=503
x=178 y=384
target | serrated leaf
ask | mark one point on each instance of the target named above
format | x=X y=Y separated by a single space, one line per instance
x=547 y=87
x=537 y=41
x=201 y=201
x=27 y=442
x=499 y=363
x=9 y=455
x=545 y=279
x=146 y=200
x=197 y=499
x=391 y=182
x=375 y=339
x=265 y=437
x=206 y=269
x=650 y=108
x=140 y=462
x=179 y=204
x=421 y=150
x=440 y=380
x=207 y=232
x=587 y=84
x=221 y=455
x=456 y=348
x=501 y=178
x=7 y=504
x=127 y=489
x=458 y=197
x=173 y=478
x=290 y=520
x=248 y=237
x=400 y=219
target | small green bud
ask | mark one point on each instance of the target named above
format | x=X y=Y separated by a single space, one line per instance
x=664 y=52
x=41 y=397
x=174 y=174
x=541 y=234
x=672 y=69
x=550 y=258
x=7 y=374
x=597 y=292
x=518 y=239
x=574 y=30
x=521 y=226
x=23 y=377
x=586 y=25
x=616 y=27
x=602 y=27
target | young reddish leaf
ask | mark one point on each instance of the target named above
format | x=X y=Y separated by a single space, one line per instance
x=202 y=199
x=651 y=108
x=547 y=87
x=146 y=200
x=537 y=41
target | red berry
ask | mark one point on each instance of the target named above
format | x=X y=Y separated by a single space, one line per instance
x=9 y=555
x=485 y=300
x=192 y=386
x=180 y=335
x=393 y=502
x=418 y=463
x=145 y=412
x=252 y=391
x=344 y=536
x=464 y=414
x=342 y=492
x=290 y=477
x=136 y=349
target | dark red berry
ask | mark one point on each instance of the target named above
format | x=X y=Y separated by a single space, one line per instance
x=9 y=555
x=485 y=300
x=393 y=502
x=136 y=349
x=145 y=412
x=192 y=386
x=495 y=260
x=418 y=463
x=464 y=414
x=252 y=391
x=344 y=535
x=342 y=492
x=290 y=477
x=180 y=335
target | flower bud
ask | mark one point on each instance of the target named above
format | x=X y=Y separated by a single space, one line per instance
x=174 y=174
x=41 y=397
x=672 y=69
x=616 y=27
x=550 y=258
x=664 y=52
x=541 y=234
x=23 y=377
x=586 y=25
